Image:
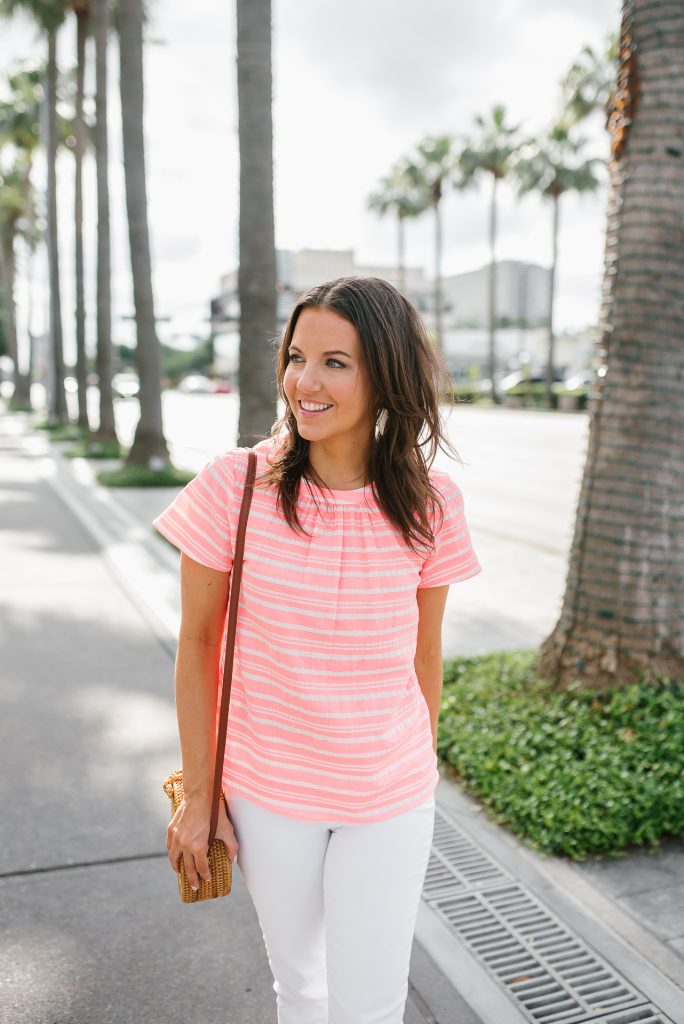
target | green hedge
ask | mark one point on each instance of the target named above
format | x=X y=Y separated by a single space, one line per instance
x=578 y=772
x=141 y=476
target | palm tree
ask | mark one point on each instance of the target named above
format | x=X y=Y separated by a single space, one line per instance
x=106 y=430
x=587 y=86
x=149 y=445
x=553 y=165
x=20 y=118
x=398 y=194
x=49 y=15
x=20 y=131
x=622 y=617
x=11 y=209
x=16 y=217
x=490 y=151
x=81 y=9
x=257 y=270
x=429 y=171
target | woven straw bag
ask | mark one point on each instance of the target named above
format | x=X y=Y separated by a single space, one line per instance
x=219 y=861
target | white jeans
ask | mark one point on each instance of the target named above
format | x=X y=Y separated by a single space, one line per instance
x=337 y=905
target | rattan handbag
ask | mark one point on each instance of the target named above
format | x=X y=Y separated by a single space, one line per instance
x=219 y=861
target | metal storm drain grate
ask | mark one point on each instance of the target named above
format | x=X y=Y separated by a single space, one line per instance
x=545 y=968
x=457 y=862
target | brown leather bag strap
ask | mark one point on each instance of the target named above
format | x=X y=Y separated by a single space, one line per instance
x=235 y=577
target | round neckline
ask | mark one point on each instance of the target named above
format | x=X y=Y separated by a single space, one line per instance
x=354 y=495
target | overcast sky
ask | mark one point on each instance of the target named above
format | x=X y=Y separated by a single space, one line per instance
x=356 y=84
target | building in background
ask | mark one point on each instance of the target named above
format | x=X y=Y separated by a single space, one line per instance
x=522 y=307
x=296 y=272
x=522 y=295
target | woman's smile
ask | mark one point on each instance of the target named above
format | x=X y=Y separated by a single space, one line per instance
x=308 y=408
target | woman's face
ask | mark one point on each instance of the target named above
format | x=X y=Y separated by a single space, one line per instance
x=326 y=367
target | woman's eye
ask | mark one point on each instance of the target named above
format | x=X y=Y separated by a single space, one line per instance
x=294 y=356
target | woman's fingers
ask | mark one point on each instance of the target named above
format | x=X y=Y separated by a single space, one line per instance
x=224 y=831
x=185 y=838
x=202 y=867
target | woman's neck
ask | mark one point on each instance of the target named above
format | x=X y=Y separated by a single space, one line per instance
x=339 y=474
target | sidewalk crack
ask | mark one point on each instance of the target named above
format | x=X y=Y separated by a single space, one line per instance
x=81 y=864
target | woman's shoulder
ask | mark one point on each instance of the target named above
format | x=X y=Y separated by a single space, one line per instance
x=233 y=463
x=444 y=483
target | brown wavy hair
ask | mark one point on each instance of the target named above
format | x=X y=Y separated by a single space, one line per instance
x=407 y=378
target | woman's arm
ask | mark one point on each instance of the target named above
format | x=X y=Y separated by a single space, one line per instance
x=428 y=659
x=204 y=593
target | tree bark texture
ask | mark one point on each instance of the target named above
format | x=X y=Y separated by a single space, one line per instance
x=551 y=339
x=79 y=149
x=401 y=244
x=257 y=269
x=57 y=407
x=622 y=618
x=7 y=277
x=106 y=430
x=21 y=396
x=492 y=292
x=149 y=445
x=438 y=277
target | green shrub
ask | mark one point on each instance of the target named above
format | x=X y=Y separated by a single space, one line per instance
x=61 y=431
x=573 y=772
x=141 y=476
x=467 y=391
x=88 y=449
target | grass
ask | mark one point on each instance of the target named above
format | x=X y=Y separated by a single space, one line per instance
x=62 y=431
x=141 y=476
x=575 y=773
x=87 y=449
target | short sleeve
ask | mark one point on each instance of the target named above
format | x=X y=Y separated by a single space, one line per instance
x=197 y=521
x=453 y=558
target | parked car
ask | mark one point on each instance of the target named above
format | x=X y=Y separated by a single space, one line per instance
x=517 y=377
x=580 y=380
x=224 y=387
x=196 y=384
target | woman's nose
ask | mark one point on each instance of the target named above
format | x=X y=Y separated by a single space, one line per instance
x=308 y=379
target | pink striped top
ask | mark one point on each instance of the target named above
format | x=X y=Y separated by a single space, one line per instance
x=327 y=719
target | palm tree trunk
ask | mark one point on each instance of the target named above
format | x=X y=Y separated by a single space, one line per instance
x=57 y=407
x=438 y=277
x=402 y=260
x=21 y=395
x=149 y=446
x=257 y=273
x=622 y=618
x=21 y=399
x=106 y=430
x=79 y=133
x=492 y=293
x=551 y=341
x=7 y=275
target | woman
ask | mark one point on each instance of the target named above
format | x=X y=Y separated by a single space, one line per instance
x=330 y=765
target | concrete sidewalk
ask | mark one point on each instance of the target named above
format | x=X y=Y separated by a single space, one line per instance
x=90 y=615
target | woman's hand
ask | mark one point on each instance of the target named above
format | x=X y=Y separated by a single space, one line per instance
x=188 y=835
